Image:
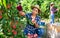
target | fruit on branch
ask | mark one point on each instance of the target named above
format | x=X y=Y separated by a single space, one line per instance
x=19 y=8
x=8 y=6
x=14 y=26
x=1 y=11
x=14 y=32
x=0 y=16
x=8 y=30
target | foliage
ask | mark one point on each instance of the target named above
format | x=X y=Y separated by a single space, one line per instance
x=12 y=23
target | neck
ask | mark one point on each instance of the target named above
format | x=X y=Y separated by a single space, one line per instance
x=33 y=14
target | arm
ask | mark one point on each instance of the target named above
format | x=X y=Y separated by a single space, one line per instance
x=19 y=8
x=53 y=9
x=37 y=23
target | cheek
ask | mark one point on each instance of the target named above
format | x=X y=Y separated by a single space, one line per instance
x=35 y=12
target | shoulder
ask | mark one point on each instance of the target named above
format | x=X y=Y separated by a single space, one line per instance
x=28 y=14
x=38 y=16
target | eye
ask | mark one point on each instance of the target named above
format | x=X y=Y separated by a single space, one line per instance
x=35 y=9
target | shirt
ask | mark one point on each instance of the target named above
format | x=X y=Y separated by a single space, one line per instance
x=29 y=18
x=52 y=10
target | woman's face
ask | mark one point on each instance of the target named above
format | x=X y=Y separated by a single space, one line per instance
x=53 y=5
x=35 y=11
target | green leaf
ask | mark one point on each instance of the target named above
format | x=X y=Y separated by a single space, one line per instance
x=0 y=2
x=4 y=3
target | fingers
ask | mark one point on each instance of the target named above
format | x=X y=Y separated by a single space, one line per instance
x=33 y=21
x=30 y=35
x=22 y=13
x=57 y=9
x=35 y=35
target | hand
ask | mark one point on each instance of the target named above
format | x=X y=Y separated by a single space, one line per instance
x=35 y=24
x=21 y=13
x=35 y=35
x=33 y=21
x=57 y=9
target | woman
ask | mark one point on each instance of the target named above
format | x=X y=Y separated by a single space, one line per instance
x=33 y=30
x=52 y=11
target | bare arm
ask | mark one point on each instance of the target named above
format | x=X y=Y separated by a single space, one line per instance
x=35 y=24
x=53 y=9
x=20 y=9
